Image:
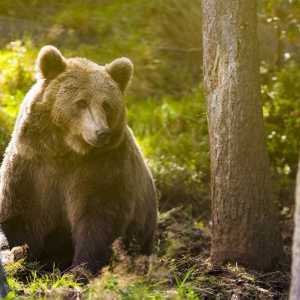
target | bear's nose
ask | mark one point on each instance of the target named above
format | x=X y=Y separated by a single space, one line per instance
x=103 y=134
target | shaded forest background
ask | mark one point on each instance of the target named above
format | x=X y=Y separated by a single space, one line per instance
x=166 y=102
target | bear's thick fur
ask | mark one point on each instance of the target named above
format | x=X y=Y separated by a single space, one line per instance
x=73 y=178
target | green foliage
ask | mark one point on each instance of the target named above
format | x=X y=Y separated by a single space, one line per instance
x=111 y=286
x=173 y=134
x=139 y=291
x=27 y=280
x=16 y=70
x=281 y=94
x=184 y=290
x=106 y=30
x=16 y=77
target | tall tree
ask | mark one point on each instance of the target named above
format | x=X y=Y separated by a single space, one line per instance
x=295 y=286
x=245 y=227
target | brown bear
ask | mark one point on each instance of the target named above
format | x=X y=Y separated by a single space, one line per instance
x=73 y=178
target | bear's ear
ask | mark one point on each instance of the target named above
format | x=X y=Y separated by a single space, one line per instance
x=50 y=62
x=121 y=70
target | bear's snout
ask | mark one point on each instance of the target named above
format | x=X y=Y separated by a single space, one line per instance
x=103 y=136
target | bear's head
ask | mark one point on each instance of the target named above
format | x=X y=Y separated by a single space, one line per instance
x=84 y=99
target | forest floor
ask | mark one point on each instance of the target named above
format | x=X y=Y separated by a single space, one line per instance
x=179 y=269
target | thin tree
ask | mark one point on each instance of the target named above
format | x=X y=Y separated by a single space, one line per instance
x=295 y=286
x=245 y=227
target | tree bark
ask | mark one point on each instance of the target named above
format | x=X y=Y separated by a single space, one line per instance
x=245 y=228
x=295 y=285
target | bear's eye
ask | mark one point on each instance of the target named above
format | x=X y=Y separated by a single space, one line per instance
x=107 y=107
x=81 y=104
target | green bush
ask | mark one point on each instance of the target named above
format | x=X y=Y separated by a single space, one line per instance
x=173 y=135
x=281 y=95
x=16 y=77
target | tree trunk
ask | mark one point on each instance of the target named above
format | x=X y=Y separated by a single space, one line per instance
x=295 y=286
x=245 y=227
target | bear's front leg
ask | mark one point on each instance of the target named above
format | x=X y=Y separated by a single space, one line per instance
x=19 y=232
x=19 y=213
x=93 y=236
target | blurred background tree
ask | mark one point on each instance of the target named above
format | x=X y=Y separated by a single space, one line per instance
x=165 y=103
